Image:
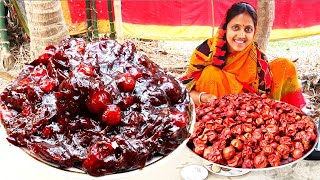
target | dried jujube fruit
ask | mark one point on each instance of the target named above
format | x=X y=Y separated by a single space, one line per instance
x=251 y=131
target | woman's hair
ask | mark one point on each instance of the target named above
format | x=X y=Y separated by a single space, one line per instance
x=239 y=8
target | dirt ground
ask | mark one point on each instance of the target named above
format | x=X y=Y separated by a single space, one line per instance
x=173 y=56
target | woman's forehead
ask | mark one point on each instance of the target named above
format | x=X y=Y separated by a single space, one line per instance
x=242 y=19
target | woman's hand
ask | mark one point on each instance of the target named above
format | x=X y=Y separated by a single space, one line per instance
x=204 y=98
x=201 y=97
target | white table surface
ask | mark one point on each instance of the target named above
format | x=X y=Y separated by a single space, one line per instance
x=16 y=164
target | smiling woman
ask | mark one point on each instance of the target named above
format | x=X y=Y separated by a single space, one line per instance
x=232 y=63
x=240 y=32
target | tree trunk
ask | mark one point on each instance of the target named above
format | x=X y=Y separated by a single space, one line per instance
x=118 y=21
x=46 y=25
x=265 y=10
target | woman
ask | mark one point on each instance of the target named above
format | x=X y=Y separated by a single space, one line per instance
x=231 y=63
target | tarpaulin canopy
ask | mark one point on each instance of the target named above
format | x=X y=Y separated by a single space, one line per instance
x=190 y=19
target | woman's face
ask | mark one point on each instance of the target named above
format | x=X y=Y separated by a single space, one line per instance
x=240 y=32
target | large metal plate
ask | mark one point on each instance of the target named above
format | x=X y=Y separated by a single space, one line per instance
x=79 y=174
x=231 y=171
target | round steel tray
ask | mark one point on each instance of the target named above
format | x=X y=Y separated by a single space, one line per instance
x=231 y=171
x=155 y=162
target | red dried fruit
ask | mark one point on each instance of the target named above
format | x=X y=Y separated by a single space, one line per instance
x=272 y=129
x=44 y=58
x=135 y=73
x=231 y=113
x=47 y=132
x=199 y=148
x=111 y=115
x=171 y=87
x=179 y=119
x=247 y=163
x=172 y=90
x=24 y=82
x=48 y=85
x=259 y=121
x=247 y=151
x=236 y=161
x=260 y=161
x=265 y=132
x=274 y=160
x=125 y=101
x=85 y=69
x=212 y=135
x=38 y=72
x=26 y=110
x=264 y=96
x=297 y=153
x=212 y=154
x=247 y=127
x=96 y=153
x=268 y=149
x=125 y=82
x=227 y=122
x=274 y=145
x=98 y=101
x=286 y=140
x=50 y=48
x=237 y=144
x=284 y=151
x=228 y=152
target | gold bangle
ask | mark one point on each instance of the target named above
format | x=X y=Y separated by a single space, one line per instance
x=200 y=94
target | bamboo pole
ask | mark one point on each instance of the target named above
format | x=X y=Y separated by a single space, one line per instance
x=3 y=30
x=89 y=23
x=95 y=21
x=7 y=61
x=118 y=20
x=112 y=31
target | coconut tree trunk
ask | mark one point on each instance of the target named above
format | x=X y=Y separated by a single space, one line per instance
x=265 y=10
x=46 y=25
x=118 y=21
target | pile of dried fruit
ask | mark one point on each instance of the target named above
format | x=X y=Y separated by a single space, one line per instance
x=251 y=131
x=100 y=107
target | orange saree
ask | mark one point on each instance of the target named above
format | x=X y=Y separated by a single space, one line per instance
x=212 y=71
